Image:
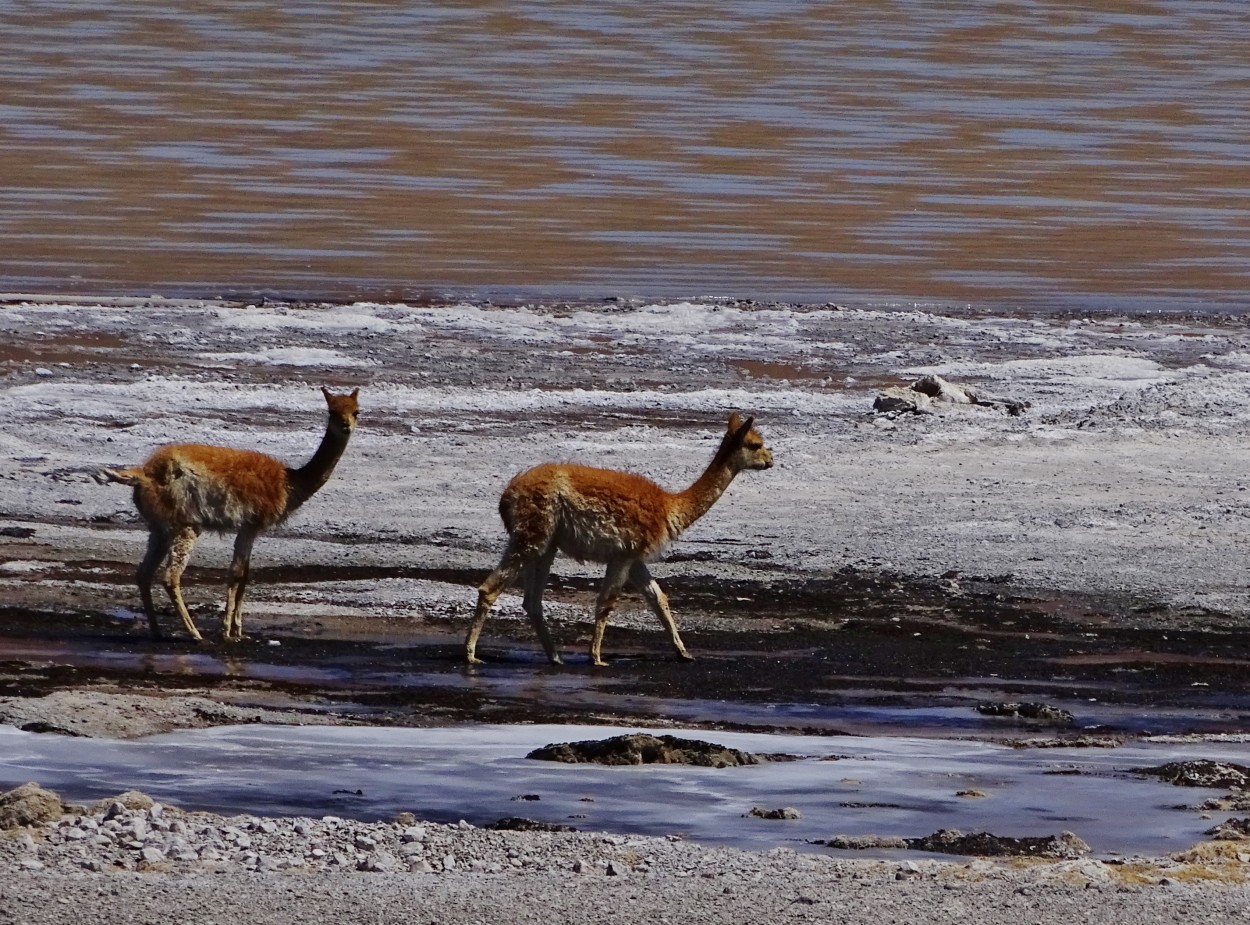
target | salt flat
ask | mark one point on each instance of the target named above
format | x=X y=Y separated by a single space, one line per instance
x=1086 y=550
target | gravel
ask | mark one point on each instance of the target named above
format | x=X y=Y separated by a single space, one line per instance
x=130 y=859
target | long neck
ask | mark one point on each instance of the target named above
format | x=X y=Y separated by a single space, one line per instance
x=697 y=500
x=308 y=478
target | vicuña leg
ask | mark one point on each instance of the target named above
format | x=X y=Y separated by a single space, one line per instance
x=535 y=581
x=158 y=548
x=613 y=580
x=240 y=568
x=657 y=600
x=510 y=566
x=179 y=556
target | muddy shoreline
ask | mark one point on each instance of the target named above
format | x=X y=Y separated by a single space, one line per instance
x=859 y=652
x=893 y=572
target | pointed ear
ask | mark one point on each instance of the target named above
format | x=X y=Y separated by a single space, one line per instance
x=355 y=392
x=741 y=433
x=735 y=421
x=326 y=393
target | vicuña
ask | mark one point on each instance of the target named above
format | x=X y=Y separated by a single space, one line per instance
x=602 y=515
x=187 y=488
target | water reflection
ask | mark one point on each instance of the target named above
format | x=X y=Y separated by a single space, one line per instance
x=1033 y=154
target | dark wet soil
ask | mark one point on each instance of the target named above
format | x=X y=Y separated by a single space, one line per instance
x=856 y=652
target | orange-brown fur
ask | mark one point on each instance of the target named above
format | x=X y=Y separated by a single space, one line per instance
x=250 y=487
x=184 y=489
x=602 y=515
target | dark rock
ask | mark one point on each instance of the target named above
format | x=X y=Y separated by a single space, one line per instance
x=1202 y=773
x=18 y=533
x=865 y=842
x=1065 y=846
x=1233 y=803
x=642 y=748
x=521 y=824
x=1035 y=712
x=41 y=726
x=1231 y=830
x=786 y=812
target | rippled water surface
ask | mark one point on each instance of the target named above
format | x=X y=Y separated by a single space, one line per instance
x=1030 y=154
x=858 y=786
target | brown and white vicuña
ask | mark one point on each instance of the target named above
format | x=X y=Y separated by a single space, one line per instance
x=602 y=515
x=187 y=488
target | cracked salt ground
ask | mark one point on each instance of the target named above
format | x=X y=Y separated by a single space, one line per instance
x=888 y=786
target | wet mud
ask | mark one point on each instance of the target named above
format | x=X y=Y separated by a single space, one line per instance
x=1124 y=474
x=858 y=653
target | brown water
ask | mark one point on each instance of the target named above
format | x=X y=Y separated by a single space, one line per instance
x=997 y=153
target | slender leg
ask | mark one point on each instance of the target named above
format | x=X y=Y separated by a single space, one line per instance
x=158 y=548
x=240 y=567
x=184 y=542
x=496 y=582
x=608 y=593
x=658 y=602
x=535 y=580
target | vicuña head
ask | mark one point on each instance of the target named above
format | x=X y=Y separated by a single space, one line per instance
x=604 y=516
x=187 y=488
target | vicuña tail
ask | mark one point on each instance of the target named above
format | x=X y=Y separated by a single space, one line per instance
x=118 y=476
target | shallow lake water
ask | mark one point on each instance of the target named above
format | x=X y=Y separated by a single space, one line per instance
x=1034 y=155
x=893 y=785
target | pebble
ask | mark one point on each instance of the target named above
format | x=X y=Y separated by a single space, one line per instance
x=104 y=841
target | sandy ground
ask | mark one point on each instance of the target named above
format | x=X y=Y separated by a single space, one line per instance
x=1109 y=520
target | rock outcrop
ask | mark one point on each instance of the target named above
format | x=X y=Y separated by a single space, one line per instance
x=1202 y=773
x=1065 y=846
x=28 y=804
x=642 y=748
x=928 y=393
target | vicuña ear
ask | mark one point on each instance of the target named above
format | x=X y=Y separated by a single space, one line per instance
x=355 y=392
x=735 y=421
x=741 y=433
x=326 y=393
